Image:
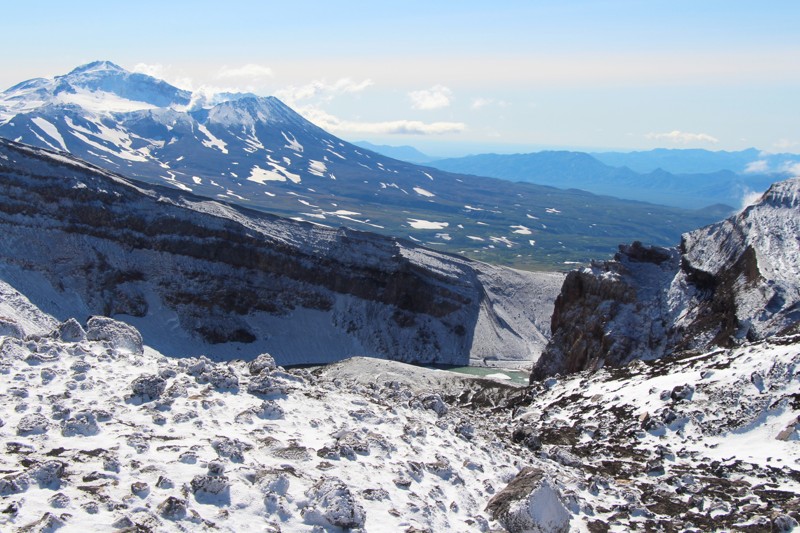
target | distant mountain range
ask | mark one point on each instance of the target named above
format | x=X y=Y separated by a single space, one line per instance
x=697 y=161
x=403 y=153
x=259 y=153
x=720 y=177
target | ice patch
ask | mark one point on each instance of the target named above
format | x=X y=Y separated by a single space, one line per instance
x=50 y=130
x=423 y=192
x=293 y=144
x=318 y=168
x=522 y=230
x=426 y=224
x=212 y=142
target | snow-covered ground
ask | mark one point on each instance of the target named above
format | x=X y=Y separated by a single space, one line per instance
x=102 y=433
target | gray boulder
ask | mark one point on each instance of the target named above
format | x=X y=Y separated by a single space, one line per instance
x=120 y=336
x=529 y=504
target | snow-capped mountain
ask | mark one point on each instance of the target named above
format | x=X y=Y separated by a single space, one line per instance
x=202 y=277
x=259 y=153
x=730 y=282
x=103 y=433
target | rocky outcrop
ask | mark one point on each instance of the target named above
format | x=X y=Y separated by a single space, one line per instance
x=735 y=281
x=185 y=269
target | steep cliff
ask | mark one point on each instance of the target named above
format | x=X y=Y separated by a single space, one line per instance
x=198 y=276
x=734 y=281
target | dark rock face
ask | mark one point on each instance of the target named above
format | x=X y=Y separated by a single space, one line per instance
x=230 y=275
x=735 y=281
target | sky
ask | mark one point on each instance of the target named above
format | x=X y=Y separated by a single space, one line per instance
x=452 y=78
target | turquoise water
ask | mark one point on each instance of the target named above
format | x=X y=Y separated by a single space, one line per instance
x=518 y=377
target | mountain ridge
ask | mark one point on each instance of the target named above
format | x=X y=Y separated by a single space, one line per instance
x=283 y=164
x=233 y=282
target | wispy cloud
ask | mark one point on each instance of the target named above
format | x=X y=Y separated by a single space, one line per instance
x=332 y=123
x=759 y=166
x=321 y=89
x=249 y=71
x=682 y=137
x=480 y=103
x=436 y=97
x=786 y=144
x=749 y=197
x=791 y=167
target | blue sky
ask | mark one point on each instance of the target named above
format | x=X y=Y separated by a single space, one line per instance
x=458 y=77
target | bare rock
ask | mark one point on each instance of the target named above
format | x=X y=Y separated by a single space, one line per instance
x=529 y=504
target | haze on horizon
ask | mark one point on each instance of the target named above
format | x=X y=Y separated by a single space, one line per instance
x=458 y=78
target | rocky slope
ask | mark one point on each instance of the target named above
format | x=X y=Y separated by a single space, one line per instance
x=102 y=433
x=734 y=281
x=201 y=277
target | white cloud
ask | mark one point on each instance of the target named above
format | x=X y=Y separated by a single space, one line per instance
x=749 y=197
x=332 y=123
x=756 y=167
x=480 y=103
x=682 y=137
x=321 y=89
x=156 y=70
x=436 y=97
x=250 y=70
x=786 y=144
x=791 y=167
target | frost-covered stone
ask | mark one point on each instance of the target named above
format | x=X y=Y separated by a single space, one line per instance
x=210 y=484
x=529 y=504
x=682 y=392
x=14 y=484
x=219 y=377
x=70 y=331
x=232 y=449
x=261 y=363
x=83 y=423
x=32 y=424
x=331 y=503
x=47 y=474
x=270 y=410
x=59 y=500
x=526 y=435
x=119 y=335
x=10 y=328
x=435 y=403
x=172 y=508
x=265 y=385
x=148 y=387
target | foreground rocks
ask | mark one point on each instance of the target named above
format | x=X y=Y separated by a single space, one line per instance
x=101 y=437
